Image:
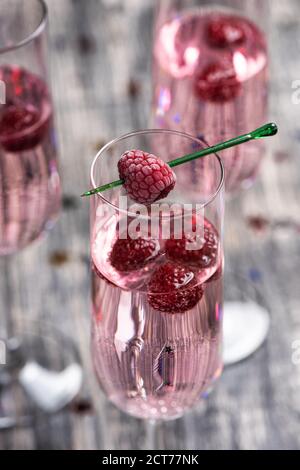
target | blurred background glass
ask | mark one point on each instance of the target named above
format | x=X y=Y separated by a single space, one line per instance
x=210 y=74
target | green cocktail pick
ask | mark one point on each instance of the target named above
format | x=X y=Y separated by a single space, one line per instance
x=268 y=130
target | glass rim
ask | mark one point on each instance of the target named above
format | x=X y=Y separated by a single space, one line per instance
x=36 y=33
x=154 y=131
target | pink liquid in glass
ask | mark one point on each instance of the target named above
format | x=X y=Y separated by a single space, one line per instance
x=29 y=182
x=151 y=363
x=210 y=79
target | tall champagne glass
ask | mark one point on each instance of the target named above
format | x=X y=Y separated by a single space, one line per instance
x=210 y=68
x=157 y=310
x=30 y=191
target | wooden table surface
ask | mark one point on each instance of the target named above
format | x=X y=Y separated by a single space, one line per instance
x=102 y=88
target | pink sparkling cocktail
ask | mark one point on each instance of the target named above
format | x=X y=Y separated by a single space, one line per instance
x=210 y=79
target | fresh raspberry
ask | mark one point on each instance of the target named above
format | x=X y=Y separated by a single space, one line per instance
x=19 y=128
x=217 y=275
x=147 y=178
x=225 y=32
x=173 y=289
x=218 y=82
x=202 y=258
x=130 y=255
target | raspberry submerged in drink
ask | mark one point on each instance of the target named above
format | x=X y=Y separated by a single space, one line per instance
x=25 y=118
x=130 y=255
x=226 y=31
x=21 y=128
x=218 y=83
x=156 y=323
x=173 y=288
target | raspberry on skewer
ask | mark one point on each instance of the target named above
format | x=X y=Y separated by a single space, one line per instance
x=135 y=164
